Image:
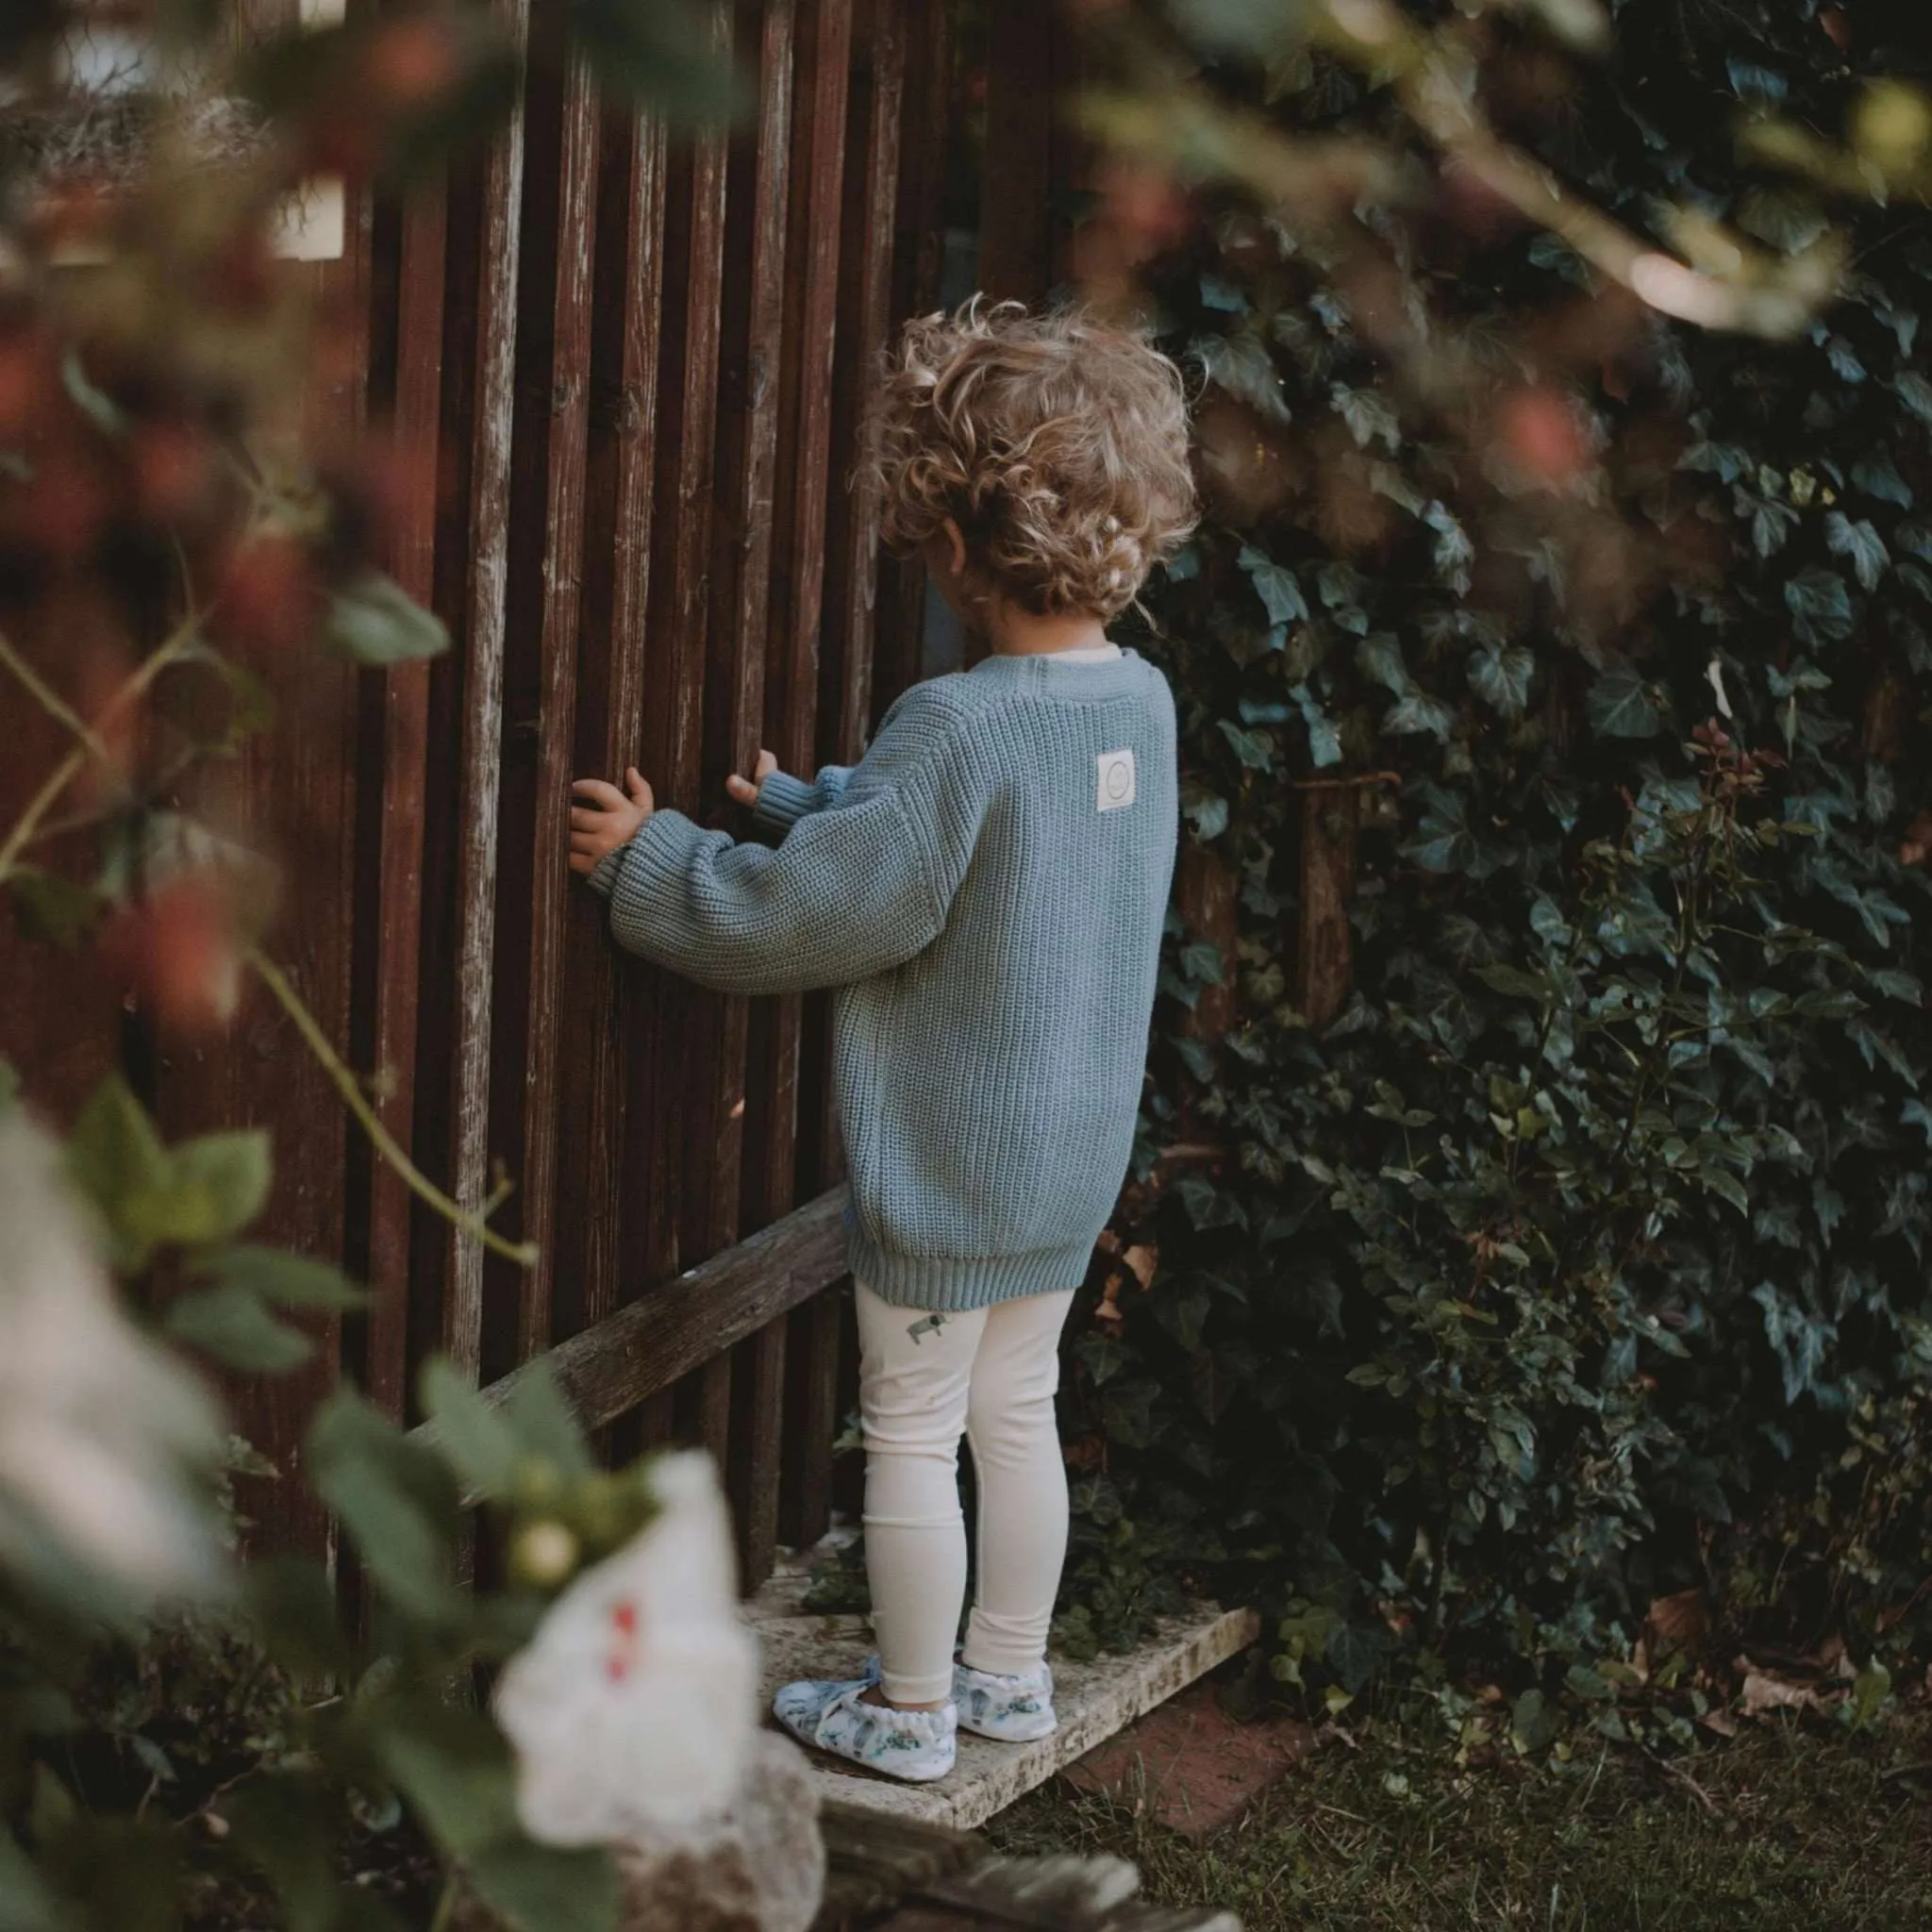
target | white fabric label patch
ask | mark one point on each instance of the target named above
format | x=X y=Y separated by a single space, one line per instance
x=1114 y=785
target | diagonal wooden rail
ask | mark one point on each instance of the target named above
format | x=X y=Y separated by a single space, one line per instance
x=614 y=1365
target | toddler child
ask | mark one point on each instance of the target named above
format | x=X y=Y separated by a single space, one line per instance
x=986 y=889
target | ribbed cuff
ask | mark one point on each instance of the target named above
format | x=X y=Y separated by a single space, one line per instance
x=601 y=878
x=782 y=801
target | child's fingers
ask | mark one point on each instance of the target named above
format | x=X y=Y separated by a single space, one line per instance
x=608 y=795
x=582 y=863
x=584 y=817
x=634 y=784
x=767 y=764
x=742 y=790
x=595 y=844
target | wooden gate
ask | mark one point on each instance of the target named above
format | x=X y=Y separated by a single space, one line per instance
x=623 y=374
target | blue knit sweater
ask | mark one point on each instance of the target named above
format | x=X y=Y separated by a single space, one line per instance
x=986 y=890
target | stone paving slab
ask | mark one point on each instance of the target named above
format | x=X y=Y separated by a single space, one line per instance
x=1094 y=1700
x=1190 y=1766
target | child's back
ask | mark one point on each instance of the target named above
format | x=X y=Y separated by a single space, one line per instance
x=986 y=889
x=989 y=1084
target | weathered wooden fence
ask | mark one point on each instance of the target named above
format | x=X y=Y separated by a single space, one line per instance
x=623 y=371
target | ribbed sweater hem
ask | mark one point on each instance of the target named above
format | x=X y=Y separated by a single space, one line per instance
x=951 y=1287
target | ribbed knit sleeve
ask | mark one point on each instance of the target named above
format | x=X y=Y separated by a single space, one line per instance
x=783 y=800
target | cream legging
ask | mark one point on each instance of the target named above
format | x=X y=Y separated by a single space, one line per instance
x=923 y=1380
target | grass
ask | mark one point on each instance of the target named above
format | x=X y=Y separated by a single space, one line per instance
x=1789 y=1828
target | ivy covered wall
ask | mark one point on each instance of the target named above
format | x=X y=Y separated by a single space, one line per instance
x=1569 y=1253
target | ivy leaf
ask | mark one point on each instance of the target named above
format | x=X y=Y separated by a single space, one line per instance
x=1219 y=294
x=1242 y=365
x=1860 y=541
x=1369 y=417
x=373 y=621
x=1752 y=82
x=1379 y=657
x=1453 y=553
x=1843 y=359
x=1724 y=461
x=1771 y=523
x=1207 y=813
x=1621 y=705
x=1255 y=749
x=1280 y=595
x=1416 y=712
x=1443 y=841
x=231 y=1324
x=1821 y=607
x=1915 y=393
x=1877 y=475
x=1500 y=675
x=1324 y=740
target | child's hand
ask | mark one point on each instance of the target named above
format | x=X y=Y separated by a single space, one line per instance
x=745 y=790
x=609 y=819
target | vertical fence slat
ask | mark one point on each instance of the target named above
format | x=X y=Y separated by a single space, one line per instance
x=747 y=459
x=918 y=258
x=602 y=1038
x=405 y=771
x=794 y=615
x=865 y=314
x=482 y=706
x=872 y=133
x=673 y=712
x=562 y=560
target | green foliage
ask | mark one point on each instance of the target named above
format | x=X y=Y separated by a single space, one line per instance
x=1579 y=1258
x=212 y=1754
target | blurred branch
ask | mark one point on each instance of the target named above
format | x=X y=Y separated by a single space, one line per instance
x=70 y=768
x=525 y=1254
x=50 y=700
x=1728 y=284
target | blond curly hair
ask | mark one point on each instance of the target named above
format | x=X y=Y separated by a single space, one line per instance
x=1057 y=442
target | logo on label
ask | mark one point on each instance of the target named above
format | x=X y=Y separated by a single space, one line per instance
x=1115 y=784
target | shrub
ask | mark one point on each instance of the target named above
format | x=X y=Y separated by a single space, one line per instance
x=1579 y=1258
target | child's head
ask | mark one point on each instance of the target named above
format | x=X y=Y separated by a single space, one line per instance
x=1055 y=444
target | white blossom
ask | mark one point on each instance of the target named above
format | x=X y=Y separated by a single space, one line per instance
x=633 y=1708
x=102 y=1430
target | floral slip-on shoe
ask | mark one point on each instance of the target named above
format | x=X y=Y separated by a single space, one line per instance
x=917 y=1745
x=1015 y=1710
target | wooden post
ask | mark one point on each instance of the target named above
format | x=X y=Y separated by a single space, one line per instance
x=486 y=611
x=1325 y=950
